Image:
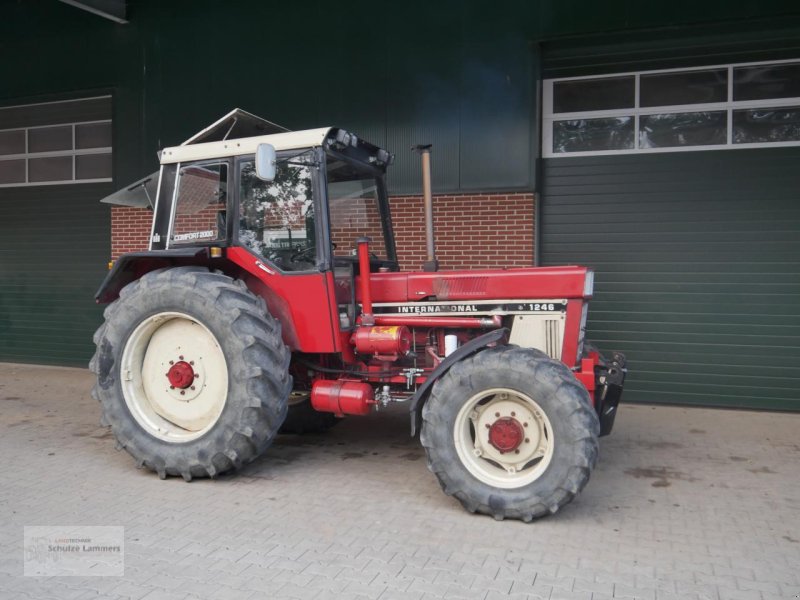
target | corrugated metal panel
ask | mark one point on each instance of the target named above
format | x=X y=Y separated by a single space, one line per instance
x=666 y=49
x=498 y=116
x=697 y=259
x=49 y=113
x=473 y=102
x=423 y=84
x=53 y=256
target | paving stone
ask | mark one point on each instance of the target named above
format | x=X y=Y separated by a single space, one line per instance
x=565 y=595
x=345 y=515
x=595 y=587
x=731 y=594
x=770 y=587
x=531 y=591
x=624 y=591
x=165 y=595
x=502 y=586
x=399 y=595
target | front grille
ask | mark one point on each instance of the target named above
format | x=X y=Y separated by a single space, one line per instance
x=552 y=336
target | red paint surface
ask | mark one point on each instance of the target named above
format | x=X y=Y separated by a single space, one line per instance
x=342 y=397
x=301 y=302
x=540 y=283
x=462 y=322
x=506 y=434
x=180 y=375
x=572 y=330
x=383 y=340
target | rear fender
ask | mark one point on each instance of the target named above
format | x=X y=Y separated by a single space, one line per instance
x=498 y=336
x=130 y=267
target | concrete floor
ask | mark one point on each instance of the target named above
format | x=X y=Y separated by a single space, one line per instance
x=684 y=503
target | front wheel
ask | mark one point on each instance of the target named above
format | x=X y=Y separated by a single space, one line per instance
x=510 y=433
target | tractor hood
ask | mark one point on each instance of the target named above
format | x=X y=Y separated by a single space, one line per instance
x=518 y=283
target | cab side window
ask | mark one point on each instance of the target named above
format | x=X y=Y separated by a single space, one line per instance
x=201 y=203
x=277 y=217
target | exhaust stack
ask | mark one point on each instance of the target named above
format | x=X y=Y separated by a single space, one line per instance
x=431 y=264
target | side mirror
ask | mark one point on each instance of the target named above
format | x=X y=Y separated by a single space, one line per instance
x=265 y=162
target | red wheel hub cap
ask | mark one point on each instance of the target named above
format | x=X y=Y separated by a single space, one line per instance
x=181 y=375
x=506 y=434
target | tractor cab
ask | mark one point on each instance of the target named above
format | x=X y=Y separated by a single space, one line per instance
x=325 y=188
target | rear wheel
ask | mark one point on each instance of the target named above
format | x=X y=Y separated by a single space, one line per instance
x=510 y=433
x=191 y=372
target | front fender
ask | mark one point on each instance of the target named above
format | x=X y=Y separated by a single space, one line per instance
x=421 y=395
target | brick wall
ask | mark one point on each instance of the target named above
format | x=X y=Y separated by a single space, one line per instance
x=130 y=229
x=473 y=231
x=351 y=219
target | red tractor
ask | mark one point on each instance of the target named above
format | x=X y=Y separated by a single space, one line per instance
x=271 y=300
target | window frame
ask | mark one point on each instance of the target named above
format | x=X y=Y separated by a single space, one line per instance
x=73 y=153
x=729 y=106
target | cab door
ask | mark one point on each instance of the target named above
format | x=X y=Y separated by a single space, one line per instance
x=280 y=241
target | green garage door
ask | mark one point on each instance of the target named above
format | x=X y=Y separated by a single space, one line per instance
x=697 y=260
x=55 y=166
x=54 y=249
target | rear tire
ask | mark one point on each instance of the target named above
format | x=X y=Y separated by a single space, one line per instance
x=230 y=393
x=501 y=391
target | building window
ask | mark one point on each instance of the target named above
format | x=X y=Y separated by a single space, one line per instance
x=59 y=152
x=705 y=108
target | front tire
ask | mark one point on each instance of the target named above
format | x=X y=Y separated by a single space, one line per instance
x=192 y=374
x=510 y=433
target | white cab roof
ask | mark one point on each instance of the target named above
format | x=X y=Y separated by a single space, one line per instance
x=293 y=140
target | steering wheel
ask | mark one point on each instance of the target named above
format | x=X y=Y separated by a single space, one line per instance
x=307 y=254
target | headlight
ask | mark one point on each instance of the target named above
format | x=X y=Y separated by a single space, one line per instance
x=588 y=286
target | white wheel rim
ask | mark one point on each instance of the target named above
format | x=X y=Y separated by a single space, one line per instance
x=514 y=468
x=174 y=413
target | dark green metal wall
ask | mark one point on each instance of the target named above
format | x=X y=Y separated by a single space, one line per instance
x=53 y=254
x=406 y=77
x=694 y=45
x=697 y=262
x=461 y=74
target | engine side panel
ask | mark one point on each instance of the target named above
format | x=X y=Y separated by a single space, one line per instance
x=540 y=282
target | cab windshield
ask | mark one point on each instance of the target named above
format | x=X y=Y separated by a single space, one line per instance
x=354 y=195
